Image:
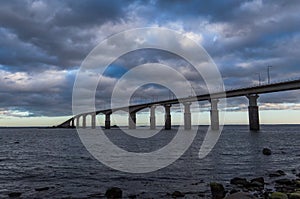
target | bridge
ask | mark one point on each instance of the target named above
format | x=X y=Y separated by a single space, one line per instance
x=252 y=94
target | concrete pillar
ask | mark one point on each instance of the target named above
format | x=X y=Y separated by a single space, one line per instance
x=187 y=116
x=107 y=121
x=253 y=112
x=132 y=120
x=77 y=121
x=214 y=114
x=152 y=117
x=72 y=122
x=84 y=121
x=93 y=122
x=167 y=116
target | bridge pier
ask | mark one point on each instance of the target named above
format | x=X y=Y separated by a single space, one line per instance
x=93 y=122
x=214 y=114
x=152 y=117
x=77 y=121
x=107 y=120
x=132 y=120
x=167 y=117
x=253 y=112
x=72 y=122
x=84 y=121
x=187 y=116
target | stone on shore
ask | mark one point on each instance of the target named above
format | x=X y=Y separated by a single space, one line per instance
x=241 y=195
x=277 y=173
x=239 y=181
x=267 y=151
x=217 y=190
x=278 y=195
x=295 y=195
x=113 y=193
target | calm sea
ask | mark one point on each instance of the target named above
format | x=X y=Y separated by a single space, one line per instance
x=33 y=158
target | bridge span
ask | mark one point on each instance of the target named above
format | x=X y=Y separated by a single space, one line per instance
x=252 y=94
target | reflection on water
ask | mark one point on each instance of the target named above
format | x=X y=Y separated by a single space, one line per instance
x=55 y=158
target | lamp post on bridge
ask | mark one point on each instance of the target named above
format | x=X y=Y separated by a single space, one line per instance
x=259 y=79
x=268 y=69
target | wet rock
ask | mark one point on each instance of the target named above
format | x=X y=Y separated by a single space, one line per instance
x=42 y=189
x=277 y=173
x=14 y=194
x=278 y=195
x=239 y=181
x=16 y=142
x=260 y=180
x=232 y=191
x=217 y=190
x=295 y=195
x=113 y=193
x=267 y=151
x=241 y=195
x=284 y=181
x=177 y=194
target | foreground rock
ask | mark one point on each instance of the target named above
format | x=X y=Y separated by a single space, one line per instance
x=278 y=195
x=241 y=195
x=217 y=190
x=113 y=193
x=277 y=173
x=267 y=151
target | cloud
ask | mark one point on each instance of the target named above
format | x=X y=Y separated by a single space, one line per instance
x=43 y=43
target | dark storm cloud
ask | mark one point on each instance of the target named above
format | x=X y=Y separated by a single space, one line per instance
x=51 y=39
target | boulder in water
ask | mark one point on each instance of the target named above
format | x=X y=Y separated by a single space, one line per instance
x=217 y=190
x=113 y=193
x=295 y=195
x=239 y=181
x=14 y=194
x=267 y=151
x=177 y=194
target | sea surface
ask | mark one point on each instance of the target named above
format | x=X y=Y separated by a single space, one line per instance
x=32 y=158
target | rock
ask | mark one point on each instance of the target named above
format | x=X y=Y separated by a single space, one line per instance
x=113 y=193
x=239 y=181
x=278 y=195
x=42 y=189
x=267 y=151
x=16 y=142
x=177 y=194
x=241 y=195
x=260 y=180
x=217 y=190
x=295 y=195
x=14 y=194
x=277 y=173
x=232 y=191
x=284 y=181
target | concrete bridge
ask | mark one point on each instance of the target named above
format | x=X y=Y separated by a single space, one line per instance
x=252 y=94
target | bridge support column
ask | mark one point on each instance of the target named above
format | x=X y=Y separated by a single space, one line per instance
x=77 y=121
x=132 y=120
x=167 y=116
x=83 y=121
x=152 y=117
x=72 y=122
x=253 y=112
x=107 y=120
x=187 y=116
x=93 y=122
x=214 y=114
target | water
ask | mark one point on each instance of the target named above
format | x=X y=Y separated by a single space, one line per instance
x=33 y=158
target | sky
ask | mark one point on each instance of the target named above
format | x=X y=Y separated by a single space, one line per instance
x=43 y=44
